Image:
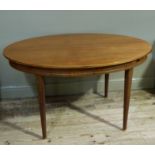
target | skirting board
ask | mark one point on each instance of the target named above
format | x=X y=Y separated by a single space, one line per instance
x=71 y=88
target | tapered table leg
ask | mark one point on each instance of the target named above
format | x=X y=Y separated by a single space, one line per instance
x=106 y=85
x=127 y=89
x=41 y=97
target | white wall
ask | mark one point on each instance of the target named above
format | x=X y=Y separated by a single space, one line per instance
x=17 y=25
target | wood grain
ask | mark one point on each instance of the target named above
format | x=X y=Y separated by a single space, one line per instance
x=76 y=72
x=70 y=126
x=78 y=55
x=127 y=90
x=77 y=51
x=42 y=106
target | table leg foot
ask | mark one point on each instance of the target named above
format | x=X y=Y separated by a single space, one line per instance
x=106 y=85
x=127 y=90
x=42 y=108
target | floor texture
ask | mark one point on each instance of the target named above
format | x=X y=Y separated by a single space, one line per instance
x=83 y=119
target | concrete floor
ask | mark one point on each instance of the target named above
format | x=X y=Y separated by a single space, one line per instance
x=85 y=119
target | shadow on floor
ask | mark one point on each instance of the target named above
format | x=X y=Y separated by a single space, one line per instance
x=29 y=108
x=16 y=127
x=80 y=110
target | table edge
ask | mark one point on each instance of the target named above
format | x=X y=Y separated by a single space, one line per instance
x=76 y=72
x=78 y=67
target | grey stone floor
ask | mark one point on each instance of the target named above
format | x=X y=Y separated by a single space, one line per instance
x=81 y=119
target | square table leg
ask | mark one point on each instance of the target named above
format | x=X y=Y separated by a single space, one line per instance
x=127 y=91
x=42 y=106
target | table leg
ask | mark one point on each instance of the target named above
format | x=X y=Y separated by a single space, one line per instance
x=127 y=89
x=41 y=97
x=106 y=85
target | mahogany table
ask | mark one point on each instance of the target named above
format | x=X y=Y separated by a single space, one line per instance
x=73 y=55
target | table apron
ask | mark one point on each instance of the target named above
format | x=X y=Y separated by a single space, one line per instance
x=76 y=72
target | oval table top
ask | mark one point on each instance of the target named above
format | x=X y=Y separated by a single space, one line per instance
x=73 y=51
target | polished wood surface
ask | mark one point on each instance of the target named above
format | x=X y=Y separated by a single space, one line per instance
x=127 y=90
x=77 y=51
x=78 y=55
x=77 y=72
x=42 y=106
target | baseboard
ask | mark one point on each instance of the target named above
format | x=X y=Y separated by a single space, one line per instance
x=77 y=87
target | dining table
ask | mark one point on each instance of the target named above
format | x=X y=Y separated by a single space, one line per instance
x=78 y=55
